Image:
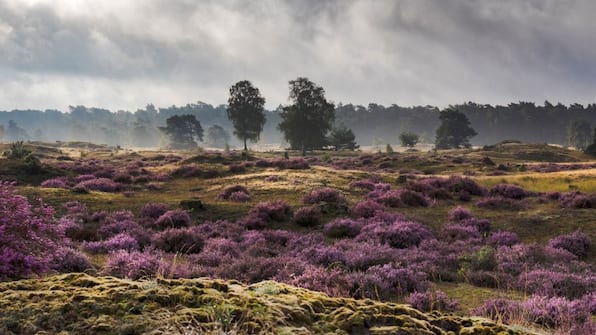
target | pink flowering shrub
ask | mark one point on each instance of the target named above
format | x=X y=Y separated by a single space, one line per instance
x=179 y=240
x=101 y=185
x=577 y=243
x=239 y=196
x=500 y=203
x=432 y=301
x=122 y=241
x=367 y=209
x=325 y=194
x=176 y=218
x=228 y=191
x=84 y=177
x=55 y=183
x=397 y=234
x=577 y=200
x=133 y=265
x=509 y=191
x=503 y=238
x=459 y=214
x=340 y=228
x=153 y=210
x=307 y=216
x=265 y=213
x=26 y=235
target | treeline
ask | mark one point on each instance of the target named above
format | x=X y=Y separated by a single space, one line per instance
x=373 y=124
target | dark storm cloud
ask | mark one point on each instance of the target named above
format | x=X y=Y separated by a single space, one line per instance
x=123 y=54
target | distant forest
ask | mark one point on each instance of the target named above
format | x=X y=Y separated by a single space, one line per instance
x=372 y=125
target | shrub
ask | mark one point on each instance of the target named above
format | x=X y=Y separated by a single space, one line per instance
x=397 y=234
x=307 y=216
x=239 y=197
x=229 y=190
x=555 y=312
x=388 y=281
x=340 y=228
x=265 y=213
x=187 y=171
x=364 y=184
x=460 y=214
x=509 y=191
x=577 y=243
x=182 y=240
x=577 y=200
x=555 y=283
x=133 y=265
x=101 y=185
x=27 y=233
x=122 y=241
x=66 y=259
x=153 y=210
x=414 y=199
x=432 y=301
x=325 y=194
x=502 y=310
x=173 y=219
x=367 y=209
x=503 y=238
x=55 y=183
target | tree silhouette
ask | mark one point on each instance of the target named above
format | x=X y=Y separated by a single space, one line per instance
x=217 y=136
x=342 y=137
x=246 y=111
x=409 y=139
x=306 y=122
x=455 y=130
x=182 y=130
x=579 y=134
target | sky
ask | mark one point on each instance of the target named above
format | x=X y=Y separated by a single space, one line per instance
x=124 y=54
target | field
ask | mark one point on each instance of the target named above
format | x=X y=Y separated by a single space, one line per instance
x=334 y=242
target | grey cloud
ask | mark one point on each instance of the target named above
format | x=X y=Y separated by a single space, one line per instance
x=407 y=52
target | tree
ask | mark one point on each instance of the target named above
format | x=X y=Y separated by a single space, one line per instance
x=182 y=131
x=455 y=130
x=591 y=149
x=217 y=136
x=409 y=139
x=246 y=111
x=307 y=121
x=579 y=134
x=15 y=133
x=342 y=137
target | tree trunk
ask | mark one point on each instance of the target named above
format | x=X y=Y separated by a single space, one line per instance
x=245 y=148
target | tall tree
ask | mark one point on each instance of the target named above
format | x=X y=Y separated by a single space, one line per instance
x=246 y=111
x=455 y=130
x=182 y=131
x=409 y=139
x=306 y=122
x=217 y=136
x=579 y=134
x=342 y=137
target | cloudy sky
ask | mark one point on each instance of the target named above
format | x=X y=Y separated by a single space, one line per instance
x=123 y=54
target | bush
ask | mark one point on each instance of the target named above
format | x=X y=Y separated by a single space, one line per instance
x=340 y=228
x=432 y=301
x=576 y=243
x=503 y=238
x=100 y=184
x=509 y=191
x=173 y=219
x=265 y=213
x=500 y=203
x=153 y=210
x=229 y=190
x=27 y=233
x=55 y=183
x=179 y=240
x=414 y=199
x=397 y=234
x=65 y=260
x=326 y=194
x=367 y=209
x=133 y=265
x=577 y=200
x=459 y=214
x=307 y=216
x=122 y=241
x=239 y=197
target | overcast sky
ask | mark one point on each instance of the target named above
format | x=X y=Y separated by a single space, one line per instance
x=124 y=54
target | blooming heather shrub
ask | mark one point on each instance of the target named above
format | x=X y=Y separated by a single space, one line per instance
x=229 y=190
x=66 y=259
x=577 y=243
x=509 y=191
x=340 y=228
x=454 y=232
x=239 y=196
x=364 y=184
x=251 y=269
x=122 y=241
x=500 y=203
x=112 y=227
x=84 y=177
x=187 y=171
x=101 y=185
x=414 y=199
x=55 y=183
x=308 y=216
x=482 y=225
x=432 y=301
x=387 y=281
x=458 y=184
x=75 y=209
x=325 y=194
x=367 y=209
x=499 y=309
x=577 y=200
x=133 y=265
x=555 y=312
x=176 y=218
x=397 y=234
x=503 y=238
x=220 y=229
x=459 y=214
x=123 y=177
x=179 y=240
x=291 y=164
x=554 y=283
x=388 y=198
x=153 y=210
x=333 y=282
x=27 y=233
x=359 y=256
x=265 y=213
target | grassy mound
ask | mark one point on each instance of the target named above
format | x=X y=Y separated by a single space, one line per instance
x=82 y=304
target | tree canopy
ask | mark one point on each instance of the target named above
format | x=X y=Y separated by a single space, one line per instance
x=217 y=136
x=579 y=134
x=183 y=131
x=409 y=139
x=455 y=130
x=342 y=137
x=306 y=122
x=246 y=111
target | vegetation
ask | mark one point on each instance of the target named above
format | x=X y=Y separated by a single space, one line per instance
x=246 y=111
x=182 y=131
x=342 y=137
x=455 y=130
x=217 y=136
x=409 y=139
x=306 y=122
x=579 y=134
